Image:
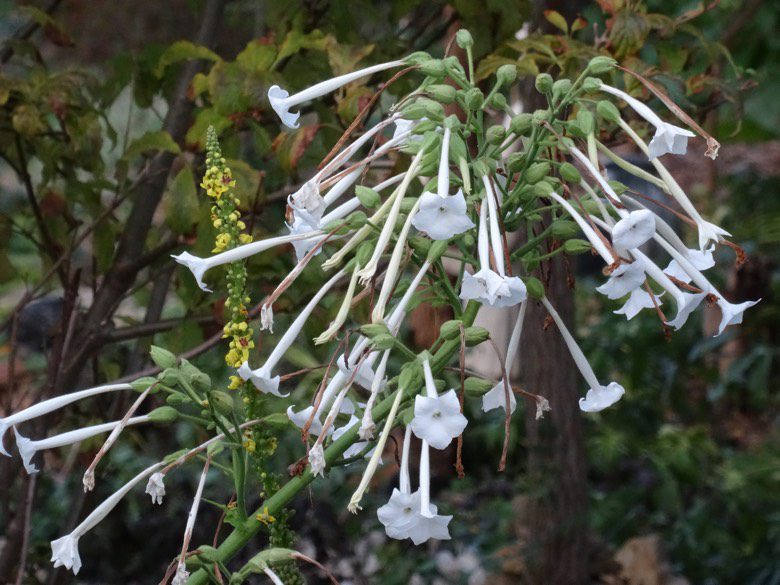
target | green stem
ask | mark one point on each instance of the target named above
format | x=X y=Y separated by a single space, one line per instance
x=242 y=534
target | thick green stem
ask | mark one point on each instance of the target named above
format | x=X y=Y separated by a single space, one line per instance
x=251 y=526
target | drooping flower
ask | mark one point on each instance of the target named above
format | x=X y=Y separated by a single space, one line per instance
x=65 y=551
x=367 y=425
x=701 y=260
x=50 y=405
x=317 y=459
x=437 y=419
x=484 y=285
x=181 y=572
x=668 y=138
x=155 y=487
x=430 y=524
x=598 y=396
x=263 y=378
x=633 y=229
x=355 y=448
x=497 y=396
x=28 y=448
x=282 y=101
x=637 y=300
x=623 y=280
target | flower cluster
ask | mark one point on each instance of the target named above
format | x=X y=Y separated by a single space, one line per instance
x=441 y=230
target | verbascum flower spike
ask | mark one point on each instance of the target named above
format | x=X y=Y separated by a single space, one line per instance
x=598 y=396
x=281 y=101
x=65 y=550
x=668 y=138
x=28 y=448
x=181 y=576
x=708 y=232
x=263 y=378
x=199 y=266
x=50 y=405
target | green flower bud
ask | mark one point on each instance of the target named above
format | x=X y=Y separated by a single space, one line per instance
x=608 y=111
x=169 y=377
x=420 y=244
x=560 y=88
x=534 y=287
x=177 y=398
x=433 y=68
x=276 y=419
x=383 y=342
x=371 y=330
x=495 y=134
x=141 y=384
x=618 y=187
x=514 y=162
x=543 y=189
x=453 y=67
x=356 y=220
x=442 y=92
x=464 y=39
x=544 y=83
x=563 y=229
x=364 y=253
x=540 y=116
x=586 y=121
x=407 y=203
x=414 y=111
x=162 y=357
x=576 y=246
x=601 y=64
x=506 y=74
x=521 y=124
x=536 y=172
x=417 y=57
x=200 y=381
x=451 y=121
x=498 y=101
x=164 y=414
x=410 y=376
x=569 y=173
x=437 y=250
x=458 y=148
x=481 y=168
x=368 y=197
x=222 y=402
x=476 y=335
x=473 y=99
x=450 y=329
x=592 y=84
x=476 y=387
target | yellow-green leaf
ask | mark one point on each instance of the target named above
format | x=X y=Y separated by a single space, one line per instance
x=159 y=140
x=183 y=51
x=557 y=20
x=180 y=202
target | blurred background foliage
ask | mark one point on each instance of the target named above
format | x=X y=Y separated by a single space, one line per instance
x=686 y=468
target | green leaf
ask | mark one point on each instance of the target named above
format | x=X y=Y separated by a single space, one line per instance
x=159 y=140
x=196 y=135
x=180 y=202
x=557 y=20
x=183 y=51
x=248 y=180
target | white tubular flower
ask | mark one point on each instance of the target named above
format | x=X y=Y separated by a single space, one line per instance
x=387 y=230
x=633 y=229
x=623 y=280
x=708 y=232
x=430 y=524
x=300 y=418
x=199 y=266
x=28 y=448
x=402 y=511
x=262 y=377
x=485 y=284
x=355 y=448
x=399 y=311
x=496 y=397
x=281 y=101
x=50 y=405
x=587 y=230
x=341 y=317
x=65 y=550
x=181 y=571
x=437 y=419
x=155 y=487
x=598 y=396
x=732 y=313
x=698 y=259
x=638 y=299
x=317 y=459
x=441 y=216
x=367 y=425
x=668 y=137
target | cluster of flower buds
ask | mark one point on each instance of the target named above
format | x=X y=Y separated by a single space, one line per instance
x=447 y=223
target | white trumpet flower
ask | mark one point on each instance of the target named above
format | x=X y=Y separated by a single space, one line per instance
x=598 y=396
x=65 y=550
x=497 y=396
x=623 y=280
x=698 y=259
x=281 y=100
x=668 y=138
x=367 y=425
x=181 y=572
x=633 y=229
x=50 y=405
x=484 y=285
x=638 y=299
x=402 y=511
x=430 y=524
x=28 y=448
x=155 y=487
x=437 y=419
x=263 y=378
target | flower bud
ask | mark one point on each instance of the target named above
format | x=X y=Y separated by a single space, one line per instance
x=534 y=287
x=177 y=398
x=608 y=111
x=563 y=229
x=169 y=377
x=164 y=414
x=592 y=84
x=481 y=167
x=585 y=121
x=383 y=342
x=506 y=74
x=536 y=172
x=601 y=64
x=356 y=220
x=371 y=330
x=542 y=189
x=476 y=335
x=436 y=250
x=560 y=88
x=364 y=253
x=368 y=197
x=200 y=381
x=569 y=173
x=473 y=99
x=476 y=387
x=458 y=148
x=453 y=67
x=433 y=68
x=521 y=124
x=222 y=402
x=450 y=329
x=540 y=116
x=141 y=384
x=544 y=83
x=420 y=244
x=407 y=203
x=410 y=376
x=618 y=187
x=162 y=357
x=414 y=111
x=514 y=162
x=495 y=134
x=417 y=57
x=442 y=92
x=464 y=39
x=451 y=121
x=498 y=101
x=576 y=246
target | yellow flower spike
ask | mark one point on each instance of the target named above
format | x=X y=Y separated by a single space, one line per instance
x=235 y=382
x=265 y=517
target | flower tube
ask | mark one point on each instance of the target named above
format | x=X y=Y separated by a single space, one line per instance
x=65 y=550
x=281 y=100
x=402 y=512
x=367 y=425
x=513 y=291
x=496 y=396
x=50 y=405
x=437 y=419
x=28 y=448
x=263 y=378
x=668 y=138
x=430 y=523
x=181 y=576
x=593 y=238
x=598 y=396
x=485 y=284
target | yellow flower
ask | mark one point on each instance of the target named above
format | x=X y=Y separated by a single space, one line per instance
x=265 y=517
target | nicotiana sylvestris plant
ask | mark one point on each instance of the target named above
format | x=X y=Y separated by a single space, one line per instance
x=437 y=231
